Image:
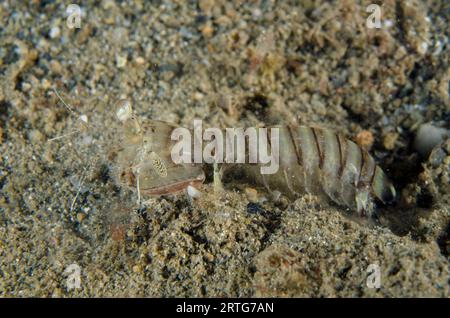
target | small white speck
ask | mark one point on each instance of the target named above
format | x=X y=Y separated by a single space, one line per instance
x=55 y=32
x=193 y=192
x=84 y=118
x=388 y=23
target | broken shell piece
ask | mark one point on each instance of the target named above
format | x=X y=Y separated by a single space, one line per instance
x=84 y=118
x=124 y=110
x=80 y=217
x=193 y=192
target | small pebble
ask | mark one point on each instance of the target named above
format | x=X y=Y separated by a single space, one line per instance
x=121 y=61
x=437 y=157
x=207 y=30
x=137 y=269
x=389 y=140
x=56 y=67
x=193 y=192
x=365 y=139
x=140 y=60
x=55 y=32
x=428 y=137
x=198 y=96
x=206 y=6
x=83 y=118
x=252 y=194
x=81 y=216
x=254 y=208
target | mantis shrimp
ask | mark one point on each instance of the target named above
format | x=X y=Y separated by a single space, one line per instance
x=311 y=160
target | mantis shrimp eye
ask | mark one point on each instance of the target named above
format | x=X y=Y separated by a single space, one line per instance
x=124 y=109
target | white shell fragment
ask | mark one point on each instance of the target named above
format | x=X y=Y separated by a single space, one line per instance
x=124 y=110
x=84 y=118
x=193 y=192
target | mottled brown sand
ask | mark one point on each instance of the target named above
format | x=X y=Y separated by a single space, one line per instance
x=231 y=64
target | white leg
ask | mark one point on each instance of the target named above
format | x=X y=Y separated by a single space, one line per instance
x=138 y=190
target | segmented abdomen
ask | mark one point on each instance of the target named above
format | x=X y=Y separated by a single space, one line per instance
x=319 y=161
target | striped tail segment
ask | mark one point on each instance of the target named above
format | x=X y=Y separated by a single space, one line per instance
x=347 y=173
x=319 y=161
